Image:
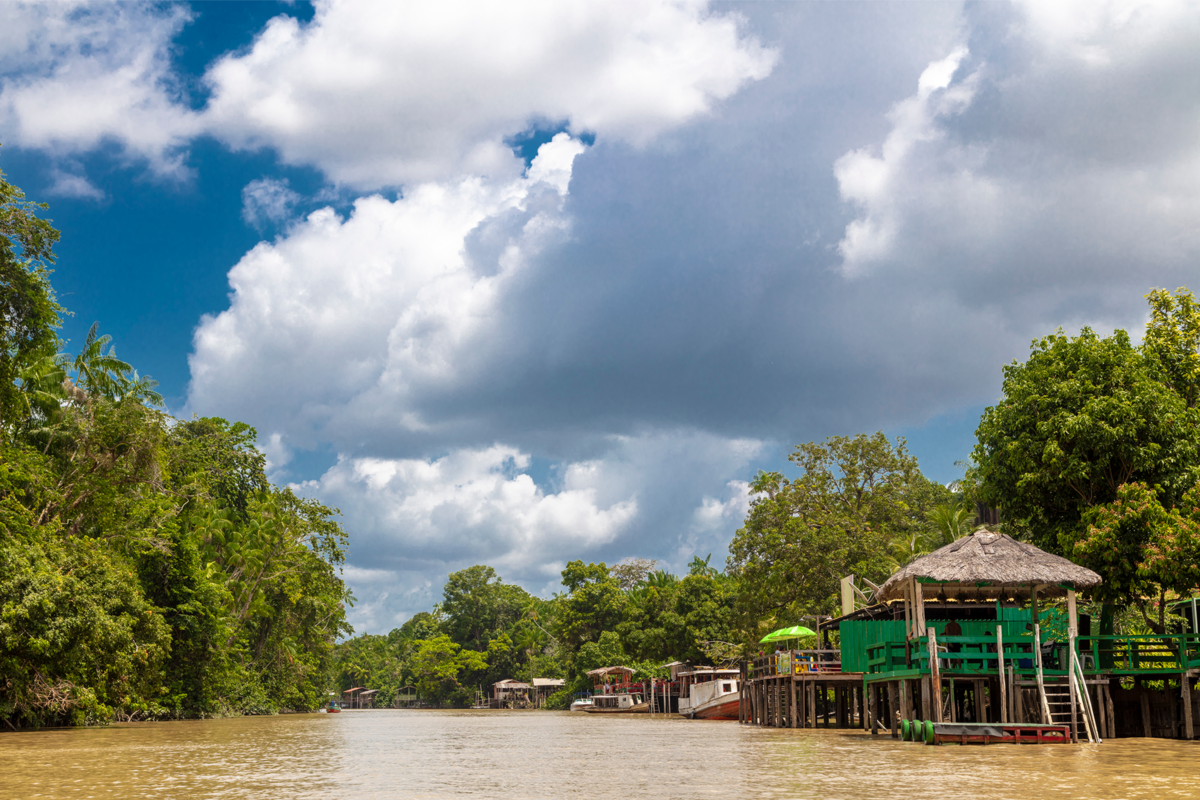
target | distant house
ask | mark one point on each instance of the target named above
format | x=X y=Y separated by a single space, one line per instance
x=359 y=697
x=510 y=693
x=544 y=687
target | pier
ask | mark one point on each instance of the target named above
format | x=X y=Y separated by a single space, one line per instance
x=972 y=650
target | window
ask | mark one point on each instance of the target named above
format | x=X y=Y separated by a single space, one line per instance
x=727 y=687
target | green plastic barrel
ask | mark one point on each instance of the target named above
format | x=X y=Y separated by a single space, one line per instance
x=906 y=732
x=916 y=731
x=928 y=729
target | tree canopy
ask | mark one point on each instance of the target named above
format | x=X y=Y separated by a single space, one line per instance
x=1094 y=453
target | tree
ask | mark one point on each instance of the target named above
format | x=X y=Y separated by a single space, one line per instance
x=29 y=314
x=595 y=603
x=632 y=572
x=1082 y=417
x=1094 y=454
x=478 y=606
x=854 y=497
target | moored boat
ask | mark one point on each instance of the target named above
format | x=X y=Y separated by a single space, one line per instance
x=623 y=703
x=616 y=693
x=707 y=693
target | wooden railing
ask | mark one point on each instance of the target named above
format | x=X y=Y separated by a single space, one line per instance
x=1099 y=655
x=796 y=662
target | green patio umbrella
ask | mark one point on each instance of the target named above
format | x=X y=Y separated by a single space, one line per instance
x=794 y=632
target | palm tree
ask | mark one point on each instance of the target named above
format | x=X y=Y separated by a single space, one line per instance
x=98 y=370
x=948 y=522
x=42 y=382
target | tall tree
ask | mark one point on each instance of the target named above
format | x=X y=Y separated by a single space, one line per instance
x=854 y=496
x=29 y=314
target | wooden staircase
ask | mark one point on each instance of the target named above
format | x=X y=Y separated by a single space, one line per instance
x=1064 y=698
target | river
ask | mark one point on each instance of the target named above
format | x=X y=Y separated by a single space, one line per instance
x=529 y=754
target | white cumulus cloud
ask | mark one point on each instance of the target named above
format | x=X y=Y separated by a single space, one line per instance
x=341 y=320
x=78 y=75
x=385 y=93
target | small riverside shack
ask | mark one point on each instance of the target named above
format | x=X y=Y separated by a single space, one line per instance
x=510 y=693
x=543 y=688
x=959 y=636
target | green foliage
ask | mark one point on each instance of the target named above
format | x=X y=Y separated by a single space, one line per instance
x=147 y=566
x=854 y=499
x=29 y=314
x=1094 y=453
x=1081 y=418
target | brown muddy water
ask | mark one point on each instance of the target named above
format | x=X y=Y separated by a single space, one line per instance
x=530 y=754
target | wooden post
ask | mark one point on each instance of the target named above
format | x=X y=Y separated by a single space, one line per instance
x=935 y=676
x=1113 y=717
x=1185 y=694
x=872 y=692
x=1071 y=677
x=953 y=702
x=792 y=702
x=892 y=708
x=925 y=697
x=1145 y=701
x=919 y=605
x=1003 y=676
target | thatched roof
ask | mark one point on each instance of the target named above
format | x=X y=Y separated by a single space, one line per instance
x=988 y=561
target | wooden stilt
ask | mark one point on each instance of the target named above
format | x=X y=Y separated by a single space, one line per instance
x=891 y=690
x=1112 y=716
x=1185 y=697
x=1003 y=674
x=1145 y=701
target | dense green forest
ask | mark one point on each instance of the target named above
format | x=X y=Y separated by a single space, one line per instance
x=148 y=569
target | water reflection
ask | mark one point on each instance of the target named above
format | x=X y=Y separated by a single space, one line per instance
x=440 y=754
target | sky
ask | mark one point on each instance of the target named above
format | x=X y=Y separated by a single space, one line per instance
x=530 y=282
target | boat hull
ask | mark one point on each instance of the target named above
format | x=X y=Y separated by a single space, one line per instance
x=641 y=708
x=726 y=707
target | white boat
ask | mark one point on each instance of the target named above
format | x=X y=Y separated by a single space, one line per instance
x=620 y=703
x=581 y=704
x=706 y=693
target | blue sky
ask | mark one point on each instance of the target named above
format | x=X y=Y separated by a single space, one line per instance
x=537 y=282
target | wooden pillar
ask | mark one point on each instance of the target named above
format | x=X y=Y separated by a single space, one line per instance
x=925 y=697
x=1185 y=697
x=1003 y=674
x=935 y=676
x=1145 y=701
x=791 y=702
x=905 y=700
x=891 y=712
x=953 y=702
x=1112 y=717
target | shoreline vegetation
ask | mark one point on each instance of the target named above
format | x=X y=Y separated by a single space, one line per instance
x=149 y=570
